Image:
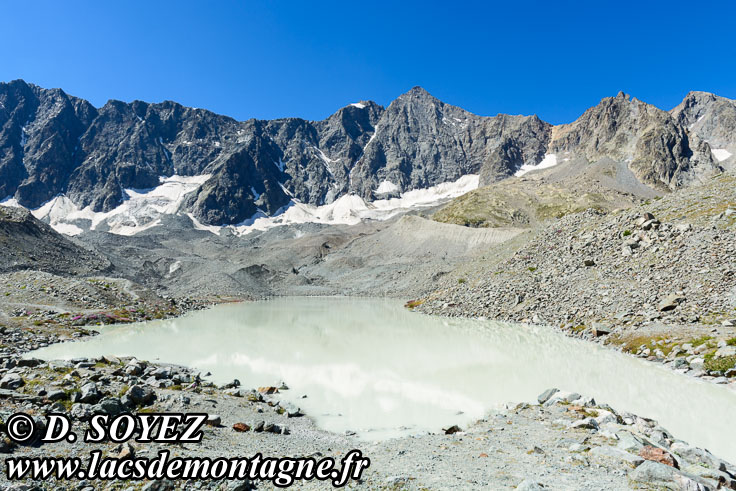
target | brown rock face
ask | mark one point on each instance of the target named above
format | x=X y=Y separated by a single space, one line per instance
x=658 y=455
x=241 y=427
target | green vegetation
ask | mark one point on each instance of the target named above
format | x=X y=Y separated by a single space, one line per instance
x=627 y=233
x=713 y=364
x=461 y=280
x=413 y=303
x=701 y=340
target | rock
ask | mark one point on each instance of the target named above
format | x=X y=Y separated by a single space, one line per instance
x=452 y=430
x=725 y=351
x=268 y=390
x=670 y=302
x=656 y=454
x=529 y=485
x=657 y=475
x=139 y=396
x=258 y=426
x=133 y=369
x=618 y=454
x=109 y=405
x=57 y=395
x=231 y=385
x=126 y=451
x=697 y=456
x=600 y=329
x=291 y=410
x=586 y=423
x=89 y=393
x=589 y=262
x=29 y=362
x=241 y=427
x=6 y=445
x=214 y=420
x=162 y=373
x=11 y=381
x=544 y=396
x=81 y=411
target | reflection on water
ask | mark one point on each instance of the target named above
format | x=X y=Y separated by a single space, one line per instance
x=371 y=366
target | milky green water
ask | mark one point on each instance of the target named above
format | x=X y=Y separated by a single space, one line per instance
x=371 y=366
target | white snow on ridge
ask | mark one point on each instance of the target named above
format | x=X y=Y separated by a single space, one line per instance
x=358 y=105
x=352 y=209
x=720 y=154
x=10 y=201
x=142 y=210
x=386 y=187
x=549 y=160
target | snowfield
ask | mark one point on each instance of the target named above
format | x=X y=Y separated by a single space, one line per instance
x=549 y=160
x=144 y=208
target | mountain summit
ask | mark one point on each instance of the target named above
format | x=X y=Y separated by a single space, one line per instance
x=54 y=144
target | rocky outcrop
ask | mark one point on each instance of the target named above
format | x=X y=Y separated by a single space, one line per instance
x=712 y=119
x=421 y=141
x=27 y=243
x=658 y=150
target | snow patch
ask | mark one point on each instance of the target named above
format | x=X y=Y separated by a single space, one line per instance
x=141 y=211
x=386 y=187
x=358 y=105
x=549 y=160
x=721 y=154
x=10 y=201
x=352 y=209
x=68 y=229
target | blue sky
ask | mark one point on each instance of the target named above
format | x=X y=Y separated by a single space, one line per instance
x=278 y=58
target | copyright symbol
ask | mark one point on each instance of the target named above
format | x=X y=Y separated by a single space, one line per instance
x=20 y=427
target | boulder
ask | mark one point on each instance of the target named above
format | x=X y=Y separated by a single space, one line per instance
x=544 y=396
x=89 y=393
x=11 y=381
x=657 y=454
x=670 y=302
x=660 y=476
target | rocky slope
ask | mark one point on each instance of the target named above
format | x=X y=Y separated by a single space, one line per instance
x=26 y=243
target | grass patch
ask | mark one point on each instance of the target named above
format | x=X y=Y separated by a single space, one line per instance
x=701 y=340
x=731 y=342
x=461 y=280
x=626 y=233
x=413 y=303
x=532 y=269
x=713 y=364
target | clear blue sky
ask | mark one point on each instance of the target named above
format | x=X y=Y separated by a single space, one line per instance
x=277 y=58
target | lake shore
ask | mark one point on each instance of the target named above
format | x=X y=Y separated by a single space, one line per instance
x=566 y=441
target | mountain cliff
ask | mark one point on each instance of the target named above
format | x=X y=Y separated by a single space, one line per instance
x=55 y=144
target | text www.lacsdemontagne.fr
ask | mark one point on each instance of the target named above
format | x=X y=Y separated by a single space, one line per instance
x=282 y=472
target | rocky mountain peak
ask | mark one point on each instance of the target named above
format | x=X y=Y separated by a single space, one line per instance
x=713 y=119
x=655 y=146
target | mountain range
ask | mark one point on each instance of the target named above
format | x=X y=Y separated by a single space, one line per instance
x=54 y=144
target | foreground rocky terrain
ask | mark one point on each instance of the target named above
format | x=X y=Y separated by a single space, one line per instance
x=566 y=442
